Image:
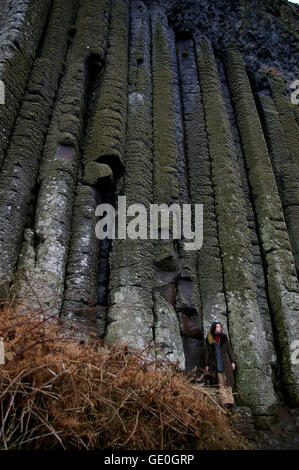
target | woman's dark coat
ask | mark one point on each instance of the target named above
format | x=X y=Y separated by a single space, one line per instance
x=227 y=358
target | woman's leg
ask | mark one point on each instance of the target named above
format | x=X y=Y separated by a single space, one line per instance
x=226 y=395
x=221 y=387
x=228 y=391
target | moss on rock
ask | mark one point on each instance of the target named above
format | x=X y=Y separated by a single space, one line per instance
x=243 y=312
x=280 y=267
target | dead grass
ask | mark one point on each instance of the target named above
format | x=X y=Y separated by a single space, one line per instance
x=57 y=392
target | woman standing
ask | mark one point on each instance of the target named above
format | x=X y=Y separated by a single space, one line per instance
x=220 y=363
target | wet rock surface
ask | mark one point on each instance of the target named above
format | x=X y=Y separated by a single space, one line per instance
x=177 y=102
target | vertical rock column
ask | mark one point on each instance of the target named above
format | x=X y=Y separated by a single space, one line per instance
x=258 y=268
x=288 y=120
x=45 y=260
x=285 y=170
x=188 y=300
x=107 y=139
x=19 y=40
x=80 y=295
x=165 y=184
x=290 y=130
x=106 y=136
x=244 y=322
x=280 y=267
x=130 y=318
x=210 y=273
x=105 y=142
x=20 y=166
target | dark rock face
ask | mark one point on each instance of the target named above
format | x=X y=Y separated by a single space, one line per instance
x=177 y=102
x=265 y=31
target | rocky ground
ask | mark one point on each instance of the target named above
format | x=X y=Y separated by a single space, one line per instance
x=282 y=435
x=285 y=433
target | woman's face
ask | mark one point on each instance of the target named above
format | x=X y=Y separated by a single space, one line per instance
x=218 y=328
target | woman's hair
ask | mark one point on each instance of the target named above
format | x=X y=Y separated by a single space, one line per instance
x=213 y=327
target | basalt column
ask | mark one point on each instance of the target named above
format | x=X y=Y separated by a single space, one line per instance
x=245 y=326
x=165 y=185
x=285 y=169
x=20 y=165
x=44 y=255
x=188 y=298
x=129 y=317
x=257 y=258
x=280 y=266
x=290 y=130
x=210 y=275
x=103 y=161
x=22 y=26
x=287 y=117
